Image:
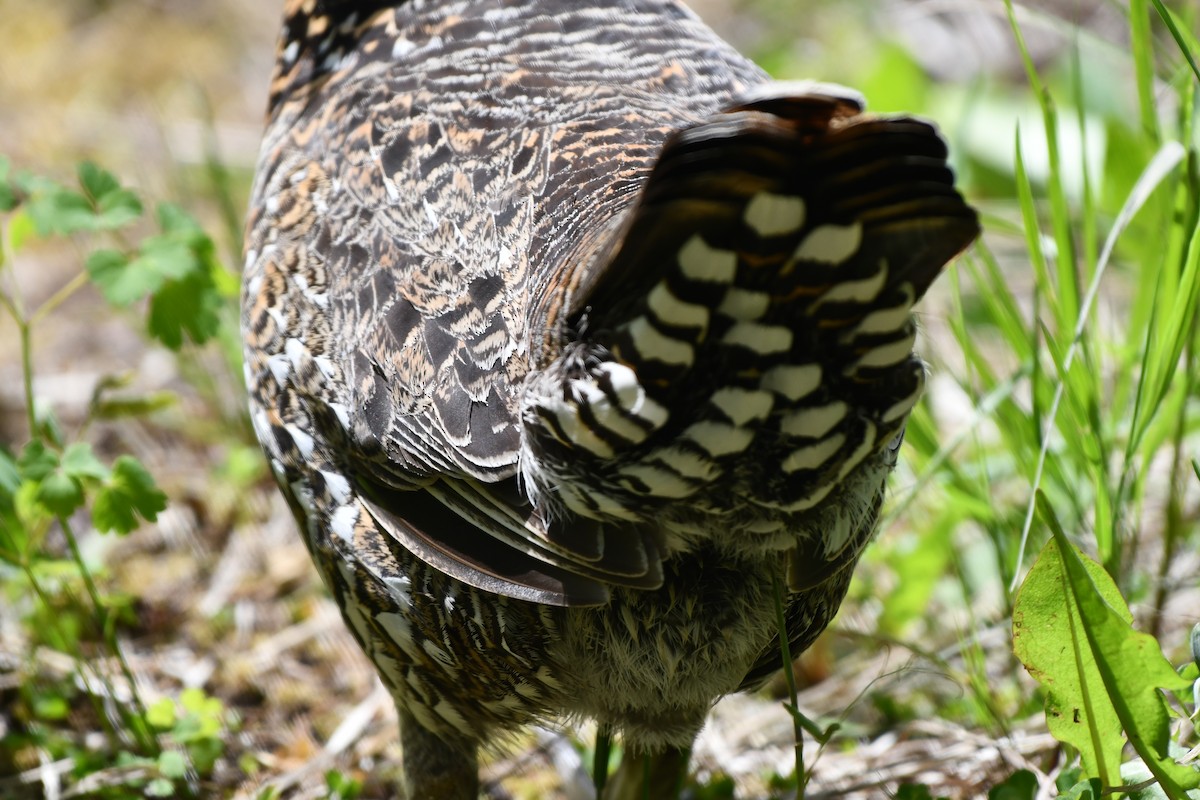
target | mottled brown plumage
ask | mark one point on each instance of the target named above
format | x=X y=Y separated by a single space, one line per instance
x=566 y=334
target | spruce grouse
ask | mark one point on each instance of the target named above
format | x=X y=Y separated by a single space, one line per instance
x=568 y=335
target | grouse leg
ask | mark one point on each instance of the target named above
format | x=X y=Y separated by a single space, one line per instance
x=657 y=774
x=435 y=766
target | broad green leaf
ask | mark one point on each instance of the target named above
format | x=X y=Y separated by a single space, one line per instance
x=168 y=255
x=36 y=461
x=118 y=280
x=1084 y=790
x=79 y=461
x=1048 y=639
x=161 y=714
x=95 y=181
x=160 y=787
x=60 y=494
x=189 y=301
x=60 y=211
x=115 y=206
x=50 y=706
x=174 y=219
x=1073 y=632
x=1134 y=773
x=159 y=260
x=190 y=307
x=1021 y=785
x=117 y=209
x=130 y=493
x=172 y=763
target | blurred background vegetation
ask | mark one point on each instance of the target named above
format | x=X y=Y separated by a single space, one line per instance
x=247 y=685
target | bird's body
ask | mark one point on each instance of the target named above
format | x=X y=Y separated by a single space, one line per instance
x=568 y=336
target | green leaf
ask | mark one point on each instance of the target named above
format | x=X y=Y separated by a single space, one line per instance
x=1048 y=641
x=10 y=475
x=21 y=229
x=118 y=279
x=60 y=494
x=60 y=211
x=29 y=512
x=174 y=219
x=162 y=259
x=1073 y=632
x=50 y=706
x=1021 y=785
x=115 y=206
x=186 y=308
x=172 y=763
x=129 y=493
x=192 y=700
x=1084 y=790
x=204 y=754
x=79 y=461
x=1135 y=774
x=160 y=787
x=95 y=181
x=344 y=787
x=118 y=209
x=161 y=715
x=37 y=461
x=170 y=256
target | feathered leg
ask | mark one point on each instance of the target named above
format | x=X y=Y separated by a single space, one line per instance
x=435 y=767
x=658 y=775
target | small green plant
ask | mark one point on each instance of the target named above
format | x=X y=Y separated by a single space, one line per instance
x=1073 y=631
x=1075 y=336
x=56 y=482
x=194 y=725
x=341 y=786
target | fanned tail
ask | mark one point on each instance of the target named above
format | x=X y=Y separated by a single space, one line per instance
x=749 y=340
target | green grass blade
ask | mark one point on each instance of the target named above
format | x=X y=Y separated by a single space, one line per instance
x=1165 y=160
x=1177 y=330
x=1141 y=44
x=1186 y=44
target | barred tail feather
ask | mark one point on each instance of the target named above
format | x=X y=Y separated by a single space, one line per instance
x=750 y=338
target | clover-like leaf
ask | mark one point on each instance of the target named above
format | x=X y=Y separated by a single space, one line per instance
x=120 y=284
x=56 y=210
x=60 y=494
x=79 y=461
x=37 y=461
x=129 y=493
x=190 y=308
x=115 y=206
x=172 y=763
